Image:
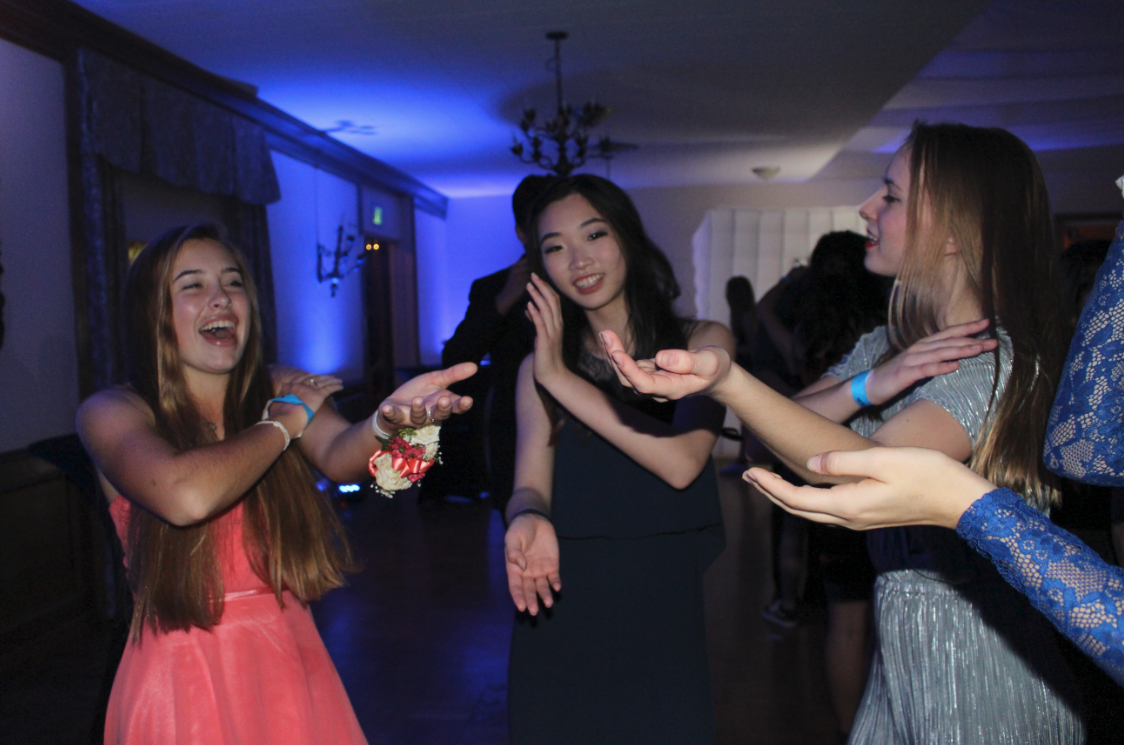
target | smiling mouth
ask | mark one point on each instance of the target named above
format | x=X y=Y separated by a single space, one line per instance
x=871 y=241
x=588 y=283
x=219 y=331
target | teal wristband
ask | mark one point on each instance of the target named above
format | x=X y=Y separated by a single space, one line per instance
x=858 y=389
x=289 y=399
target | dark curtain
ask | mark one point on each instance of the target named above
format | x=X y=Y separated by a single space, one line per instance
x=135 y=123
x=106 y=263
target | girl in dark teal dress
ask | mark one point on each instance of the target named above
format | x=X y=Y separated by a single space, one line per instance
x=615 y=512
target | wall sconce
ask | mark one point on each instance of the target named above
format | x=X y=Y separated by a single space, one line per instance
x=343 y=263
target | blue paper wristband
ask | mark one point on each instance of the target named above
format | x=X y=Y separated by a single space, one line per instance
x=858 y=389
x=289 y=399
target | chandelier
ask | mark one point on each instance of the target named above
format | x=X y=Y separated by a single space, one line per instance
x=568 y=130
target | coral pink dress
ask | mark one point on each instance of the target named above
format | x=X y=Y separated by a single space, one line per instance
x=262 y=675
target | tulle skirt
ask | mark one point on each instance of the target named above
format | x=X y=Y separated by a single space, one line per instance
x=262 y=675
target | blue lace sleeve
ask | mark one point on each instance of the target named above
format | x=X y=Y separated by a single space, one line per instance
x=1065 y=579
x=1085 y=436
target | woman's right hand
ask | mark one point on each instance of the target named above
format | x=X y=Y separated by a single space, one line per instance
x=672 y=373
x=531 y=547
x=934 y=355
x=900 y=486
x=313 y=390
x=545 y=311
x=425 y=399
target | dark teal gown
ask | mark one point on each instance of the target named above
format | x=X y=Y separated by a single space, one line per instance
x=622 y=656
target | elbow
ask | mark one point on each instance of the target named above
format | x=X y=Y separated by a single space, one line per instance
x=680 y=483
x=335 y=464
x=186 y=513
x=341 y=475
x=188 y=506
x=686 y=474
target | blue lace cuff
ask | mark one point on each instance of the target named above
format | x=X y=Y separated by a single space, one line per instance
x=1065 y=579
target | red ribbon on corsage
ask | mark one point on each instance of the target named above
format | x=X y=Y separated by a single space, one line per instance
x=398 y=464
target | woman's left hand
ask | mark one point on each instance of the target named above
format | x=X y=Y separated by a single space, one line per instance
x=938 y=354
x=673 y=373
x=313 y=390
x=900 y=486
x=545 y=311
x=531 y=548
x=425 y=399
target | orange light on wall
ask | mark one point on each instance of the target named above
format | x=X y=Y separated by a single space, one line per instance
x=372 y=247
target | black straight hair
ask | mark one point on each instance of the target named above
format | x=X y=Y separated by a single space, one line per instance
x=650 y=288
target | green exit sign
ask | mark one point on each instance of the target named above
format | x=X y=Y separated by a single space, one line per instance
x=376 y=216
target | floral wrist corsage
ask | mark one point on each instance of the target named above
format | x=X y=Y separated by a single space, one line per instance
x=404 y=458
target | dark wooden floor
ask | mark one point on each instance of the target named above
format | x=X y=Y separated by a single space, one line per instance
x=420 y=638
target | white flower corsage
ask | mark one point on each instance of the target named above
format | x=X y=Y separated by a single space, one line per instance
x=404 y=458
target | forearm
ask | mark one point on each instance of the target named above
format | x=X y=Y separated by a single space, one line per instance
x=675 y=456
x=201 y=482
x=1062 y=577
x=834 y=402
x=790 y=430
x=526 y=498
x=345 y=456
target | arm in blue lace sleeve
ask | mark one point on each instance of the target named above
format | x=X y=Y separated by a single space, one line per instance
x=1085 y=436
x=1065 y=579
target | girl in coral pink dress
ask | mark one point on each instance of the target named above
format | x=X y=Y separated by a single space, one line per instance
x=226 y=538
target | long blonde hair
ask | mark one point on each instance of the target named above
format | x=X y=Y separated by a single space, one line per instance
x=983 y=188
x=290 y=533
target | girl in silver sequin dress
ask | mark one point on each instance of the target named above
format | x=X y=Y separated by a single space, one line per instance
x=966 y=366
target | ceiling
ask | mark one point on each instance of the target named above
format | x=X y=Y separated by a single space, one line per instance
x=709 y=90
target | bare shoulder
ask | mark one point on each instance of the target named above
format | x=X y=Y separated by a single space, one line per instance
x=710 y=333
x=114 y=425
x=113 y=404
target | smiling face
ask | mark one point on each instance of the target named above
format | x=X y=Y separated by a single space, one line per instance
x=581 y=254
x=210 y=308
x=885 y=214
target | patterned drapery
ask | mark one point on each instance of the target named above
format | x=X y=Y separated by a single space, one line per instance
x=132 y=122
x=141 y=125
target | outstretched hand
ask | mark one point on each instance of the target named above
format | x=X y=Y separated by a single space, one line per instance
x=531 y=547
x=672 y=373
x=900 y=486
x=934 y=355
x=426 y=399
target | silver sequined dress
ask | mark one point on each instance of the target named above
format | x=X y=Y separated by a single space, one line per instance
x=961 y=657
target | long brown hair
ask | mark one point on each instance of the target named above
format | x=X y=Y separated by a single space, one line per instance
x=290 y=533
x=983 y=188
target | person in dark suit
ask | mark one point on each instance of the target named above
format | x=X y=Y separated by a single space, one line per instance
x=497 y=327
